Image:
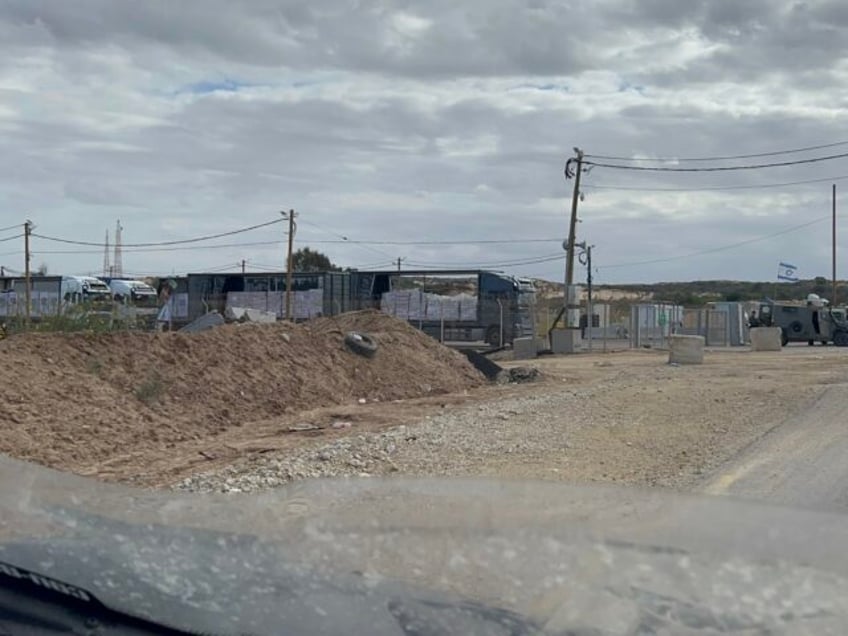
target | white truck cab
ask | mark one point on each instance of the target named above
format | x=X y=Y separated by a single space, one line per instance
x=79 y=289
x=133 y=292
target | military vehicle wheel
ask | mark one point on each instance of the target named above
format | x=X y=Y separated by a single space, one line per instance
x=840 y=338
x=796 y=326
x=811 y=343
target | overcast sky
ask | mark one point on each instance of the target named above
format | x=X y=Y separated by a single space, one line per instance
x=431 y=121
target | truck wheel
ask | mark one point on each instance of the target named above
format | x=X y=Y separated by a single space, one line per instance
x=493 y=336
x=840 y=338
x=361 y=344
x=796 y=326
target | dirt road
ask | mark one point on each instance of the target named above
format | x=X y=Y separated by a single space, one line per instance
x=627 y=418
x=802 y=462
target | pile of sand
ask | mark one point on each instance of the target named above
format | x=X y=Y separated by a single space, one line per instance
x=70 y=400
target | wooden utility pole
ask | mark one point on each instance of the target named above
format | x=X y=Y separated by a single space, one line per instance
x=289 y=264
x=399 y=261
x=572 y=232
x=27 y=273
x=572 y=226
x=833 y=294
x=243 y=264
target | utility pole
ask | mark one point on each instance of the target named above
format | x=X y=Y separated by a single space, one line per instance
x=833 y=295
x=289 y=263
x=399 y=261
x=590 y=310
x=243 y=264
x=572 y=232
x=27 y=273
x=572 y=226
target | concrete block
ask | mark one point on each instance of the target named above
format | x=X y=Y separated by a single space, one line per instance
x=686 y=349
x=524 y=348
x=246 y=314
x=207 y=321
x=765 y=339
x=565 y=340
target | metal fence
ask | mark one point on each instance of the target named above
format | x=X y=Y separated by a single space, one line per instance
x=650 y=325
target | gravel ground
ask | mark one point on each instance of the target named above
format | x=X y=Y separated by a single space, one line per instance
x=625 y=418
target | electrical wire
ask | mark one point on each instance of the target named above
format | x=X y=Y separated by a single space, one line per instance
x=165 y=249
x=164 y=243
x=434 y=242
x=345 y=239
x=478 y=264
x=724 y=158
x=777 y=164
x=11 y=238
x=716 y=249
x=16 y=226
x=714 y=188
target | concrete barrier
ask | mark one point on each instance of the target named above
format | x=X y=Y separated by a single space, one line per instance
x=765 y=339
x=246 y=314
x=524 y=348
x=686 y=349
x=206 y=321
x=565 y=340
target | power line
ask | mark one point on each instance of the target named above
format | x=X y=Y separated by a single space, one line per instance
x=11 y=238
x=167 y=249
x=714 y=188
x=17 y=226
x=345 y=239
x=716 y=249
x=777 y=164
x=163 y=243
x=724 y=158
x=434 y=242
x=511 y=263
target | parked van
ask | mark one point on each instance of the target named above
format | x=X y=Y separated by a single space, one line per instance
x=136 y=302
x=85 y=290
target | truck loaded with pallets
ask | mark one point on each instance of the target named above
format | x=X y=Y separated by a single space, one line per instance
x=808 y=321
x=454 y=306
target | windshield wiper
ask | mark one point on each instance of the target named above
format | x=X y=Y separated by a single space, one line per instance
x=32 y=603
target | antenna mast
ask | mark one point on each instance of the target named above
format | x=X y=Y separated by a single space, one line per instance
x=118 y=266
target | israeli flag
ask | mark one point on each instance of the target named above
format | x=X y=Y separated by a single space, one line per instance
x=786 y=272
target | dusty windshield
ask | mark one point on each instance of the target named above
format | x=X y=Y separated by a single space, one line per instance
x=527 y=249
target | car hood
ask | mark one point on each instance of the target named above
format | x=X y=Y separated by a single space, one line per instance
x=431 y=556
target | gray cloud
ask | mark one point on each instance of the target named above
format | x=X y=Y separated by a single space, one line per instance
x=397 y=120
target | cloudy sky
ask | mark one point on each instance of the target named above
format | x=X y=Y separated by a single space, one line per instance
x=384 y=123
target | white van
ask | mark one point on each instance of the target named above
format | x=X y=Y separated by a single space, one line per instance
x=136 y=302
x=76 y=290
x=134 y=293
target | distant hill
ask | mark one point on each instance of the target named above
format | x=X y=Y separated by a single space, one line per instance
x=697 y=293
x=703 y=291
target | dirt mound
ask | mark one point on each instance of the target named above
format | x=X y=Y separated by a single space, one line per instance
x=72 y=400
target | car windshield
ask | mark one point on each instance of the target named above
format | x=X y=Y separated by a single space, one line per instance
x=423 y=316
